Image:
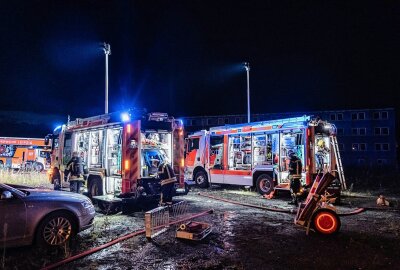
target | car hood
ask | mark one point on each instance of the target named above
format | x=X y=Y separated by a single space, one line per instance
x=50 y=195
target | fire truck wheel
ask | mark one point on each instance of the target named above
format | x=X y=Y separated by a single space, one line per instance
x=95 y=187
x=326 y=222
x=37 y=166
x=201 y=179
x=265 y=184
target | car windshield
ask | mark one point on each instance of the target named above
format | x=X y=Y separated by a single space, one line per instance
x=13 y=190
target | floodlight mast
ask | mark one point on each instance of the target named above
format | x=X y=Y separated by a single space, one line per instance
x=107 y=52
x=247 y=67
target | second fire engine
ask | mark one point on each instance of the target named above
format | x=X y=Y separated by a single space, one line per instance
x=256 y=154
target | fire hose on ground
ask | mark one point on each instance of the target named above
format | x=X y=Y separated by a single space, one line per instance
x=115 y=241
x=288 y=211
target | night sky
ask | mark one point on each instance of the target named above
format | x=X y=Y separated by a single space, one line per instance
x=184 y=58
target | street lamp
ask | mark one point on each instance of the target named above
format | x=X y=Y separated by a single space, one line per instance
x=107 y=52
x=247 y=67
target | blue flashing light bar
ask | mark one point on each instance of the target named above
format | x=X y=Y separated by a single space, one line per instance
x=125 y=117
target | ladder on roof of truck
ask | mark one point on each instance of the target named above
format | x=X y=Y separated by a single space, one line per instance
x=338 y=162
x=268 y=122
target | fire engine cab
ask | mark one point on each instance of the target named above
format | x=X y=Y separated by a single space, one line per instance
x=256 y=154
x=117 y=150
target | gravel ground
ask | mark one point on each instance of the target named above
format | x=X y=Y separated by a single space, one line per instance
x=242 y=238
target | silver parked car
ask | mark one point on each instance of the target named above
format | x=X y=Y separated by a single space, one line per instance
x=45 y=217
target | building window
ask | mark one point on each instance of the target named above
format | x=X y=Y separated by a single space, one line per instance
x=209 y=121
x=358 y=116
x=358 y=131
x=336 y=116
x=381 y=131
x=361 y=161
x=381 y=147
x=380 y=115
x=238 y=120
x=381 y=161
x=340 y=131
x=359 y=147
x=226 y=120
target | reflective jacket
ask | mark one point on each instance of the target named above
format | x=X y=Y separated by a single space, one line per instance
x=295 y=167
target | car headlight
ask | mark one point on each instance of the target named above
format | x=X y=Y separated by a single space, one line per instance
x=87 y=204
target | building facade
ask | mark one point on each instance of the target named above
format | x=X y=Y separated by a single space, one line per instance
x=366 y=137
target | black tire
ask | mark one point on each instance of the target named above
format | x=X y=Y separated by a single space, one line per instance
x=95 y=187
x=201 y=179
x=264 y=184
x=38 y=166
x=56 y=229
x=326 y=222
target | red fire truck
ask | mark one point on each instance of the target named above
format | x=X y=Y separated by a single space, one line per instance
x=117 y=150
x=255 y=154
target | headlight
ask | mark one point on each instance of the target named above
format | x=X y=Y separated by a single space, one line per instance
x=87 y=204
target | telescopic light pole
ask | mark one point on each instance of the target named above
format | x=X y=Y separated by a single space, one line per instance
x=247 y=67
x=107 y=52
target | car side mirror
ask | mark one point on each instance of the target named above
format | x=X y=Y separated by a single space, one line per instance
x=6 y=195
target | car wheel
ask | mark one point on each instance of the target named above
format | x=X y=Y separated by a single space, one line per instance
x=326 y=222
x=56 y=229
x=264 y=184
x=201 y=179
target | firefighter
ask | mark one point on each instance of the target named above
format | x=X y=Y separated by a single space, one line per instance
x=295 y=168
x=321 y=154
x=167 y=179
x=74 y=173
x=56 y=177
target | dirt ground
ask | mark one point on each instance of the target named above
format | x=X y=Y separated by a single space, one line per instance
x=242 y=238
